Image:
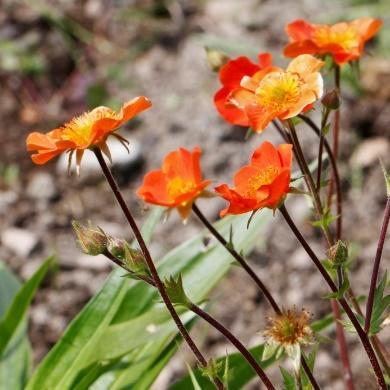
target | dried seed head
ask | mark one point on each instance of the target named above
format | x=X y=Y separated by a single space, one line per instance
x=290 y=328
x=92 y=240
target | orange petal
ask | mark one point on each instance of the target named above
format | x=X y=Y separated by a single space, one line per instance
x=266 y=155
x=295 y=49
x=180 y=163
x=285 y=154
x=111 y=121
x=238 y=204
x=367 y=27
x=304 y=65
x=241 y=98
x=234 y=70
x=154 y=189
x=39 y=141
x=229 y=112
x=299 y=30
x=243 y=176
x=259 y=118
x=44 y=157
x=265 y=60
x=278 y=189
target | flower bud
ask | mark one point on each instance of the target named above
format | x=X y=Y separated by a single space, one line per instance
x=134 y=262
x=338 y=253
x=92 y=240
x=331 y=100
x=116 y=247
x=216 y=59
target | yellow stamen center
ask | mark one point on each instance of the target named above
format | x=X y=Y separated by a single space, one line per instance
x=79 y=129
x=347 y=38
x=179 y=186
x=264 y=177
x=278 y=91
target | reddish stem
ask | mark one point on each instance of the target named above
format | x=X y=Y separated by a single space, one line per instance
x=362 y=335
x=375 y=270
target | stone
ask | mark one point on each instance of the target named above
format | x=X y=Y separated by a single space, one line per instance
x=42 y=186
x=369 y=152
x=120 y=159
x=22 y=242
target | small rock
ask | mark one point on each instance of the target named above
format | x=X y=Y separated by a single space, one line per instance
x=7 y=198
x=120 y=159
x=42 y=186
x=22 y=242
x=83 y=261
x=369 y=152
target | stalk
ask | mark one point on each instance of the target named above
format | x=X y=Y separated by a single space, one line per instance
x=237 y=343
x=336 y=130
x=254 y=277
x=362 y=335
x=156 y=279
x=375 y=270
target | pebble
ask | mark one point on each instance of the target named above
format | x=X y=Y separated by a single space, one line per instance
x=22 y=242
x=369 y=152
x=120 y=159
x=42 y=186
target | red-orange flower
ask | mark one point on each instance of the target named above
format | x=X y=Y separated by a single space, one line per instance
x=230 y=76
x=90 y=129
x=177 y=184
x=276 y=93
x=263 y=183
x=344 y=41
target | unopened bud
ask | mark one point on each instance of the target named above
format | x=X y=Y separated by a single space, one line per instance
x=331 y=100
x=92 y=240
x=116 y=247
x=134 y=261
x=338 y=253
x=216 y=59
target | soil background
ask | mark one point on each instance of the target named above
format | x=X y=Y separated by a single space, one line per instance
x=60 y=58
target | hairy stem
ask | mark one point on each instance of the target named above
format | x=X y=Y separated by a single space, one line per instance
x=375 y=270
x=156 y=279
x=253 y=275
x=362 y=335
x=237 y=343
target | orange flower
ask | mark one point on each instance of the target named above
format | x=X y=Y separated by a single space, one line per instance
x=263 y=183
x=88 y=130
x=344 y=41
x=177 y=184
x=230 y=76
x=276 y=93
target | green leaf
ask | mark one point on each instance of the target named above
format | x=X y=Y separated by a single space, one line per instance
x=380 y=305
x=240 y=372
x=343 y=289
x=288 y=379
x=15 y=361
x=195 y=383
x=74 y=351
x=325 y=221
x=16 y=311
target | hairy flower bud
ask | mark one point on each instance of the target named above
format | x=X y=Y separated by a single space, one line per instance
x=216 y=59
x=92 y=240
x=331 y=100
x=116 y=247
x=338 y=253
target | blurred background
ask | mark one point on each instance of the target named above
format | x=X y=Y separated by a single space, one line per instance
x=60 y=58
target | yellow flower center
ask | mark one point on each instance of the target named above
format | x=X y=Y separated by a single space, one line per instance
x=79 y=129
x=347 y=38
x=264 y=177
x=179 y=186
x=278 y=91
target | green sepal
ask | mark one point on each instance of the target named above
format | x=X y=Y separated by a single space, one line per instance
x=211 y=370
x=175 y=290
x=325 y=221
x=342 y=290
